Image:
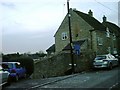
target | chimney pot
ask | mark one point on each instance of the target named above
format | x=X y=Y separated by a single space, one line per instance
x=90 y=13
x=104 y=18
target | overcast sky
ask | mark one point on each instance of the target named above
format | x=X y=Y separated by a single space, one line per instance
x=29 y=25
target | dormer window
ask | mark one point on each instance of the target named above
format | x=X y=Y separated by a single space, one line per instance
x=107 y=32
x=114 y=37
x=64 y=36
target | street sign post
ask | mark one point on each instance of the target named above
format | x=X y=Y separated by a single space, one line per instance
x=77 y=49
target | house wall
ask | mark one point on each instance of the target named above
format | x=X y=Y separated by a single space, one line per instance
x=102 y=49
x=79 y=28
x=82 y=30
x=107 y=42
x=114 y=30
x=118 y=45
x=93 y=41
x=59 y=43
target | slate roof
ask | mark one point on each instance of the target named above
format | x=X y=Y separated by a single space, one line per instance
x=91 y=20
x=51 y=48
x=67 y=47
x=112 y=27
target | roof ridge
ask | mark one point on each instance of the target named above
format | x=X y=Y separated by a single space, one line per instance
x=112 y=24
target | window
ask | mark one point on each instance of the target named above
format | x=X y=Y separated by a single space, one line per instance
x=109 y=49
x=64 y=36
x=114 y=50
x=100 y=41
x=114 y=37
x=107 y=32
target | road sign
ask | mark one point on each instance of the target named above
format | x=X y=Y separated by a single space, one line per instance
x=77 y=49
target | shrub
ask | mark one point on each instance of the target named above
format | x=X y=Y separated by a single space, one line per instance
x=28 y=63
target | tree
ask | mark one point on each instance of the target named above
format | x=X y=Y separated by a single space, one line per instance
x=41 y=54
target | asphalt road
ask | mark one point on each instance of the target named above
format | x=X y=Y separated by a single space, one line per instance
x=103 y=79
x=94 y=80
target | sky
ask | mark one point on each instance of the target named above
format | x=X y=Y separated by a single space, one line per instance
x=30 y=25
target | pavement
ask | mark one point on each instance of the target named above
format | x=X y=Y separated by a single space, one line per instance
x=35 y=83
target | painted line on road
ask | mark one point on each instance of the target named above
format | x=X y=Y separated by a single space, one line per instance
x=37 y=86
x=3 y=84
x=113 y=86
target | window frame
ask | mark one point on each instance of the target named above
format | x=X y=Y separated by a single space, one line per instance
x=114 y=37
x=64 y=35
x=107 y=32
x=100 y=41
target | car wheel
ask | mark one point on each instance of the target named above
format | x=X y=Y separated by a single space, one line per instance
x=9 y=81
x=25 y=75
x=110 y=66
x=16 y=78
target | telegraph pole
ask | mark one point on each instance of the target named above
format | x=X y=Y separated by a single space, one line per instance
x=70 y=35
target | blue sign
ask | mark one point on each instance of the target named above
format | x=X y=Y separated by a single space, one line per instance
x=77 y=49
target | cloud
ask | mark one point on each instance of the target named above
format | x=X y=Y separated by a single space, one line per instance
x=30 y=17
x=9 y=5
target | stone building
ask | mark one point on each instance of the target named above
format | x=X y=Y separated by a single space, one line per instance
x=114 y=38
x=88 y=33
x=51 y=50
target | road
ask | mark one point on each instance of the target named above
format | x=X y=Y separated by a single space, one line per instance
x=94 y=80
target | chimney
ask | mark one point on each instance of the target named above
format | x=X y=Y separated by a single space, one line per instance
x=104 y=18
x=90 y=13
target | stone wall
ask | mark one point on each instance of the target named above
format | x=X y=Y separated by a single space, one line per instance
x=59 y=65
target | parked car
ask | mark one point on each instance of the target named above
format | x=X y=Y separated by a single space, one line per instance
x=4 y=77
x=15 y=69
x=117 y=56
x=105 y=61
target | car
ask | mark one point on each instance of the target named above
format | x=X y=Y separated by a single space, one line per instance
x=15 y=69
x=4 y=77
x=117 y=56
x=105 y=61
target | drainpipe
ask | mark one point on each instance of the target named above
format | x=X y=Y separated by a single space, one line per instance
x=91 y=38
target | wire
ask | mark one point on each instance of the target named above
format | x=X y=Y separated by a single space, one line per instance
x=64 y=9
x=106 y=6
x=111 y=9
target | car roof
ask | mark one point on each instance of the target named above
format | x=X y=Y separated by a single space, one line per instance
x=101 y=55
x=11 y=62
x=104 y=55
x=0 y=67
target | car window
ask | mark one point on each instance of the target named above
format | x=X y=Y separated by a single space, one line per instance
x=17 y=65
x=100 y=57
x=109 y=57
x=10 y=65
x=5 y=66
